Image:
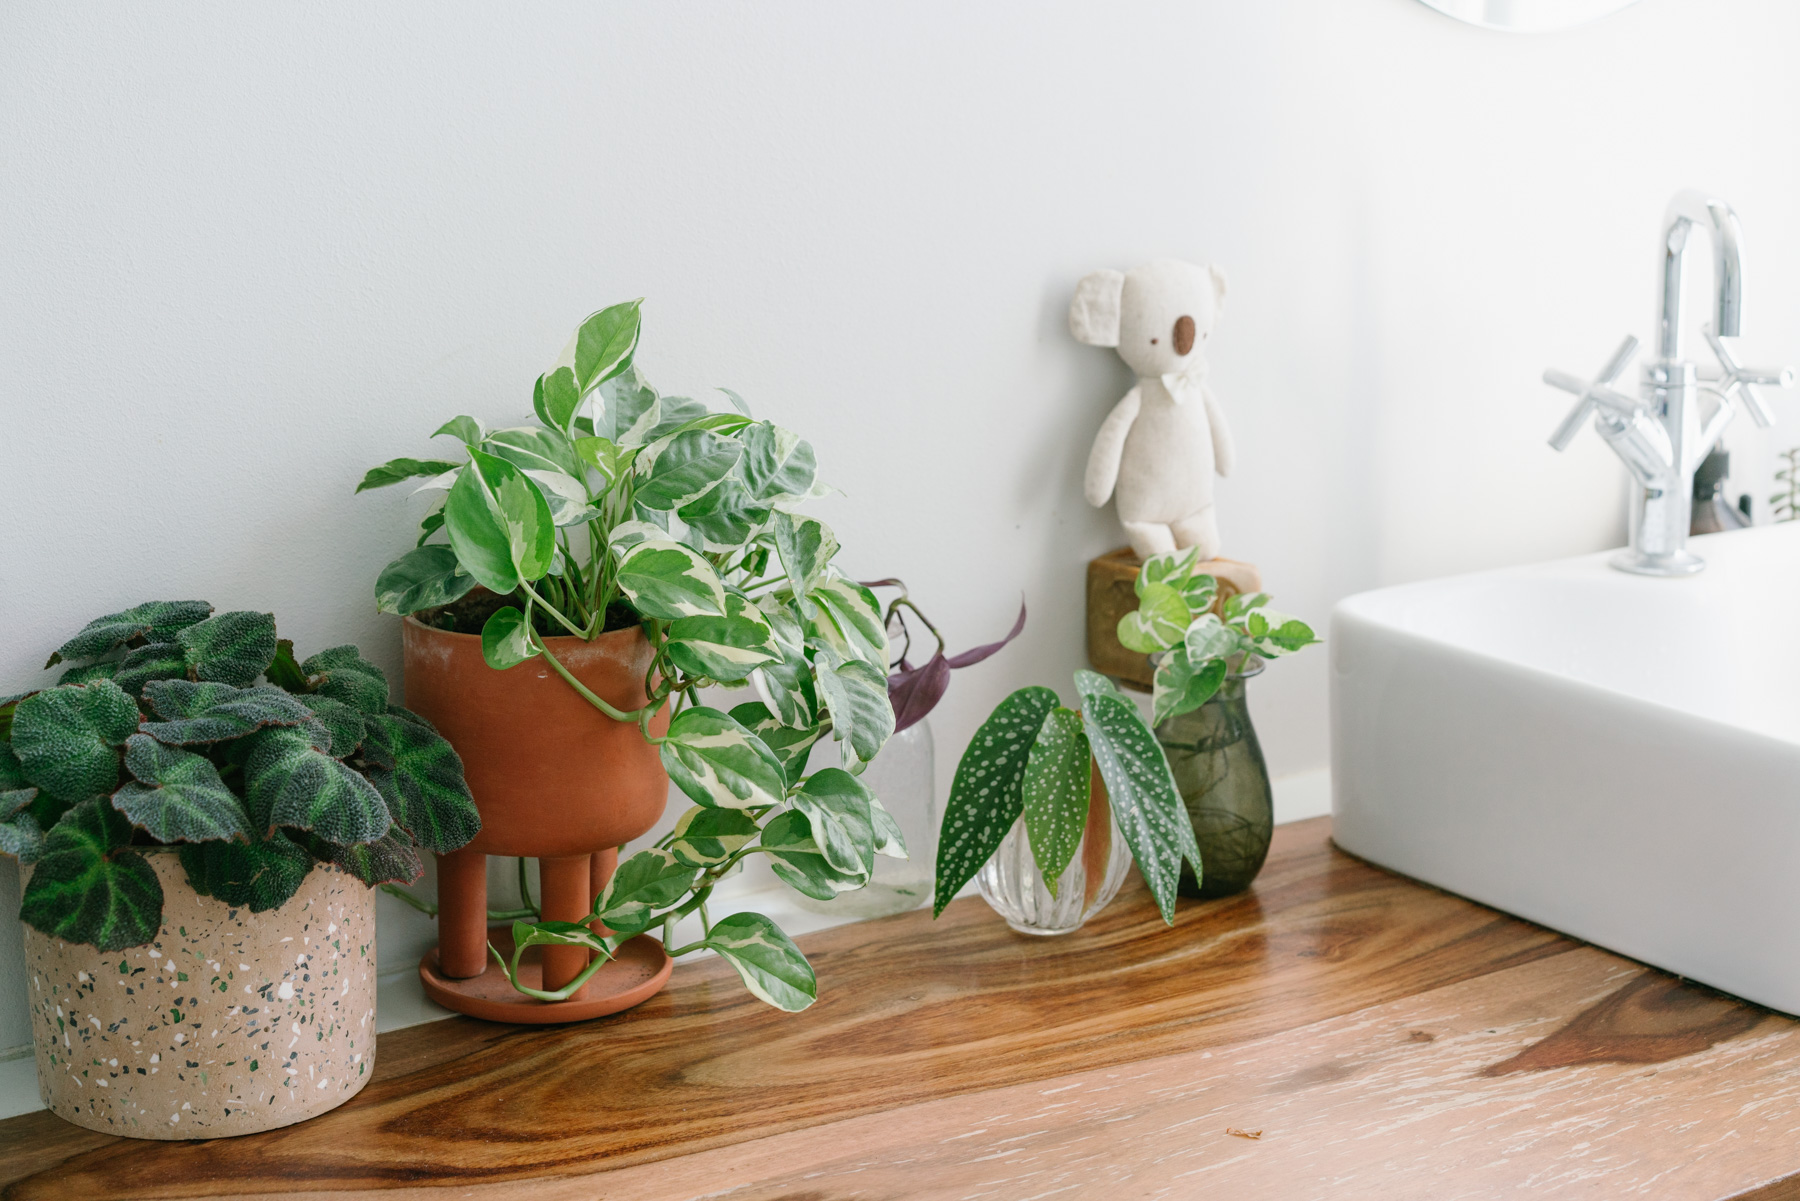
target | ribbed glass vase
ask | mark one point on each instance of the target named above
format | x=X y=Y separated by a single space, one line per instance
x=1013 y=885
x=1220 y=773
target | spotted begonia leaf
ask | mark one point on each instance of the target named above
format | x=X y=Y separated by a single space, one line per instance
x=986 y=795
x=1055 y=789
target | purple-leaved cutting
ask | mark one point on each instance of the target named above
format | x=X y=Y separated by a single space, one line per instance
x=915 y=691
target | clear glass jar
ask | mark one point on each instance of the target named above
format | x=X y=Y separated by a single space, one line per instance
x=904 y=778
x=1013 y=885
x=1220 y=773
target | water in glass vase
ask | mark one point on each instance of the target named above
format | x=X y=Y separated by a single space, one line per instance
x=903 y=778
x=1219 y=770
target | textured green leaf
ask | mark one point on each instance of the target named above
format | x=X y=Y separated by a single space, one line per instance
x=1145 y=803
x=284 y=672
x=1055 y=789
x=648 y=881
x=1158 y=622
x=1179 y=689
x=259 y=876
x=719 y=763
x=986 y=796
x=158 y=661
x=68 y=738
x=777 y=465
x=467 y=429
x=791 y=744
x=89 y=887
x=342 y=674
x=421 y=779
x=177 y=796
x=705 y=836
x=667 y=580
x=767 y=961
x=506 y=639
x=289 y=782
x=12 y=772
x=724 y=648
x=805 y=545
x=20 y=834
x=8 y=707
x=423 y=578
x=232 y=648
x=217 y=712
x=154 y=621
x=390 y=859
x=690 y=465
x=395 y=470
x=87 y=673
x=343 y=723
x=837 y=808
x=861 y=712
x=796 y=858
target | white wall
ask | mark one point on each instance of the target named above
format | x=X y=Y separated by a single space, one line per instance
x=247 y=251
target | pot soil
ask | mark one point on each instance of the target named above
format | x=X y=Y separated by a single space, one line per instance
x=229 y=1023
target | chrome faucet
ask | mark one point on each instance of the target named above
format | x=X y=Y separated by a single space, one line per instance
x=1660 y=435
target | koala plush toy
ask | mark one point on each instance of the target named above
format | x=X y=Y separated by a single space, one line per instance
x=1158 y=448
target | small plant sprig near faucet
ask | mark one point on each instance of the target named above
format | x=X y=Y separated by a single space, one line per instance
x=622 y=507
x=1198 y=639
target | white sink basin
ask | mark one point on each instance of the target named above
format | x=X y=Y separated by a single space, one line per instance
x=1614 y=756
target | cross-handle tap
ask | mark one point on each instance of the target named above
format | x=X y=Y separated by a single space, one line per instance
x=1738 y=381
x=1593 y=394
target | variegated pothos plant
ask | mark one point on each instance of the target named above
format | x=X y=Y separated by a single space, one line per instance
x=620 y=495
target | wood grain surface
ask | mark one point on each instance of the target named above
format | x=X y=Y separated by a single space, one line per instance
x=1387 y=1038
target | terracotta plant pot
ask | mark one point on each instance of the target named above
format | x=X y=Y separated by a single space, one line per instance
x=555 y=780
x=229 y=1023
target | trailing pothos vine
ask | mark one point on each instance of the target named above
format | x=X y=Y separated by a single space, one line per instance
x=621 y=504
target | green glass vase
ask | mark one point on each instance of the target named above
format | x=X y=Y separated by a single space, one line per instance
x=1219 y=770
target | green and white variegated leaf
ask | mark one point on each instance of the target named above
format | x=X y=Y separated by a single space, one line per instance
x=986 y=796
x=786 y=686
x=628 y=534
x=725 y=648
x=1158 y=622
x=506 y=639
x=153 y=621
x=666 y=580
x=290 y=782
x=556 y=399
x=1149 y=810
x=767 y=961
x=648 y=881
x=342 y=674
x=797 y=859
x=1055 y=789
x=1275 y=633
x=567 y=497
x=677 y=415
x=856 y=696
x=420 y=776
x=1173 y=568
x=778 y=465
x=531 y=449
x=606 y=456
x=704 y=837
x=260 y=875
x=499 y=524
x=467 y=429
x=837 y=806
x=213 y=712
x=1179 y=689
x=628 y=411
x=558 y=934
x=68 y=738
x=846 y=620
x=20 y=834
x=88 y=885
x=232 y=648
x=439 y=483
x=422 y=578
x=395 y=470
x=1210 y=638
x=806 y=545
x=691 y=465
x=603 y=345
x=1236 y=606
x=177 y=796
x=791 y=744
x=720 y=764
x=725 y=517
x=390 y=859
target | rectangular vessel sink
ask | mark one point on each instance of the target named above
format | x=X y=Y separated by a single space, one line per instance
x=1613 y=756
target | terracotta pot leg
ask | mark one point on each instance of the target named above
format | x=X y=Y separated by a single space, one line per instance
x=462 y=914
x=601 y=865
x=566 y=898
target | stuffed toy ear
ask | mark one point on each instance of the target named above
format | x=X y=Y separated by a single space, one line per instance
x=1218 y=278
x=1094 y=313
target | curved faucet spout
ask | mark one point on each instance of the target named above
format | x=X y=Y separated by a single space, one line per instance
x=1686 y=210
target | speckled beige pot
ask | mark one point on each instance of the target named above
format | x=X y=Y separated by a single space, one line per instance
x=229 y=1023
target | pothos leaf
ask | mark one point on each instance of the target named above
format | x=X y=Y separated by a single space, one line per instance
x=846 y=620
x=395 y=470
x=767 y=961
x=719 y=763
x=423 y=578
x=726 y=648
x=89 y=887
x=837 y=807
x=1158 y=622
x=177 y=796
x=506 y=639
x=604 y=344
x=644 y=883
x=67 y=738
x=499 y=524
x=857 y=696
x=791 y=745
x=259 y=875
x=705 y=836
x=667 y=580
x=154 y=621
x=1179 y=688
x=986 y=795
x=805 y=545
x=797 y=859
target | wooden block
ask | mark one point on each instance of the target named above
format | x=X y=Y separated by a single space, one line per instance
x=1112 y=593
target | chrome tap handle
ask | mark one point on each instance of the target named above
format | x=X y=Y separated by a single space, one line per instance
x=1596 y=394
x=1736 y=382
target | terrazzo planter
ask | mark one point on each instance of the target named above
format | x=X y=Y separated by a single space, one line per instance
x=229 y=1023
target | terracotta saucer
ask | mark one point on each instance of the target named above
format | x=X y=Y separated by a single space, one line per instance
x=634 y=975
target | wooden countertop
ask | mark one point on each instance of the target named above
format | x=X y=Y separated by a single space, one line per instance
x=1388 y=1040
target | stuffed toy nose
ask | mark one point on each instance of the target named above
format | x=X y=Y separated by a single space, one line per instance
x=1184 y=334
